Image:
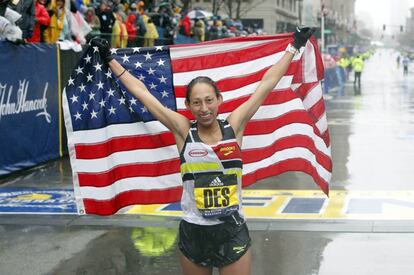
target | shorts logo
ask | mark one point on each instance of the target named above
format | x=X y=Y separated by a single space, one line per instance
x=228 y=150
x=239 y=249
x=198 y=153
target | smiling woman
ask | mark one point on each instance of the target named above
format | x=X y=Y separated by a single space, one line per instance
x=213 y=232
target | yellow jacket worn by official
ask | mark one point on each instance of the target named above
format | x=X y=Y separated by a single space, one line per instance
x=358 y=64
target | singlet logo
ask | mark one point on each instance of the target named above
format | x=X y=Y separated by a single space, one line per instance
x=216 y=182
x=198 y=153
x=228 y=150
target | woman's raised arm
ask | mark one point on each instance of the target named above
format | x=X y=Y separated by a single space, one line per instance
x=174 y=121
x=242 y=114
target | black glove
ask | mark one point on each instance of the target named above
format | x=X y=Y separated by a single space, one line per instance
x=103 y=47
x=301 y=36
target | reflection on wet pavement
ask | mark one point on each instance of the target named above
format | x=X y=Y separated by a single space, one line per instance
x=48 y=250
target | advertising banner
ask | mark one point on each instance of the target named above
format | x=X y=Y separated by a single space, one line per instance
x=29 y=105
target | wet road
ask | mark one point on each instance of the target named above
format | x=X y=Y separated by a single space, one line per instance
x=372 y=147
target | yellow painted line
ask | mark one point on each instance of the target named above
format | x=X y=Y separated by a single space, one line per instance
x=59 y=101
x=310 y=204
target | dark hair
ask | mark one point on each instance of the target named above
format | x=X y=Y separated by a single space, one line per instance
x=201 y=79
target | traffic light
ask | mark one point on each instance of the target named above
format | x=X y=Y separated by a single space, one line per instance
x=383 y=27
x=401 y=28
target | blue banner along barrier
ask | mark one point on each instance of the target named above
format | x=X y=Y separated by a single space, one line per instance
x=29 y=105
x=330 y=79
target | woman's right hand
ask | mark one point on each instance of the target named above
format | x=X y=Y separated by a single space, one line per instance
x=103 y=47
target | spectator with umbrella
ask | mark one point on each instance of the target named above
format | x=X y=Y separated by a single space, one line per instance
x=199 y=14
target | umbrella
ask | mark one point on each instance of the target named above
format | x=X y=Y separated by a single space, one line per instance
x=199 y=14
x=164 y=4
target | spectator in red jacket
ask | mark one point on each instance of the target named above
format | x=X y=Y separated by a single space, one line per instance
x=41 y=19
x=131 y=29
x=185 y=26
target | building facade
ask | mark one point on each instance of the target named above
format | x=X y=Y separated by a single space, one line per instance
x=407 y=38
x=273 y=16
x=278 y=16
x=340 y=23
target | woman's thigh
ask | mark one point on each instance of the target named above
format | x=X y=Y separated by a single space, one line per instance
x=241 y=267
x=190 y=268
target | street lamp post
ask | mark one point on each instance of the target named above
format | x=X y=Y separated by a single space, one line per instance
x=322 y=29
x=324 y=11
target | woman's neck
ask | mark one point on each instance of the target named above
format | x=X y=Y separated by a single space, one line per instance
x=210 y=135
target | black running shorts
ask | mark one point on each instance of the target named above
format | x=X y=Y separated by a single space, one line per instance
x=213 y=245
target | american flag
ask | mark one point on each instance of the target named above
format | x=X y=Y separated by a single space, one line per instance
x=121 y=155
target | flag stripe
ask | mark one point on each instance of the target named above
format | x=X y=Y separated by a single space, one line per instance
x=181 y=52
x=124 y=143
x=118 y=130
x=221 y=59
x=254 y=155
x=256 y=141
x=128 y=184
x=289 y=153
x=240 y=83
x=226 y=72
x=135 y=196
x=297 y=164
x=129 y=171
x=318 y=109
x=223 y=45
x=133 y=156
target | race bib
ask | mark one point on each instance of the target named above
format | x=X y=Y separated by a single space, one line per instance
x=216 y=195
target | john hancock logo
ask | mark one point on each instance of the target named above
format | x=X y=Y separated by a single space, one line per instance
x=20 y=104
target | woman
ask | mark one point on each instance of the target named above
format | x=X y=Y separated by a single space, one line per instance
x=151 y=34
x=119 y=32
x=213 y=231
x=42 y=19
x=57 y=22
x=131 y=29
x=93 y=22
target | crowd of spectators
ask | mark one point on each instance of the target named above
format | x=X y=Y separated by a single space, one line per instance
x=124 y=23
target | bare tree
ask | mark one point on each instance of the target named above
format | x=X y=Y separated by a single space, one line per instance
x=186 y=4
x=239 y=7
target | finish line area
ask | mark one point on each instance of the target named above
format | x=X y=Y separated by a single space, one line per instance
x=257 y=204
x=310 y=204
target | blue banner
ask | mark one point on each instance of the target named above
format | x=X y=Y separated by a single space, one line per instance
x=331 y=79
x=29 y=105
